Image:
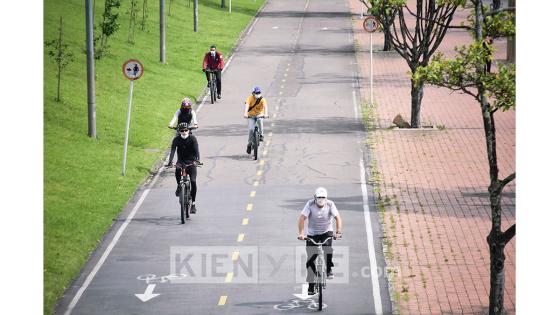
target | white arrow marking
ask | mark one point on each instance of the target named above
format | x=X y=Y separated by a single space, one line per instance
x=303 y=295
x=148 y=295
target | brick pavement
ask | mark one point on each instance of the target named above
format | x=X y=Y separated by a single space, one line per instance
x=433 y=185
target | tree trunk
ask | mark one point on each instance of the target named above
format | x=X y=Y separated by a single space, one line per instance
x=416 y=93
x=387 y=41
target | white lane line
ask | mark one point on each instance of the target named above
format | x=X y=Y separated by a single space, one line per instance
x=369 y=233
x=251 y=28
x=109 y=248
x=355 y=104
x=371 y=250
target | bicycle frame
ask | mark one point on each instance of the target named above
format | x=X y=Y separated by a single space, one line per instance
x=320 y=275
x=255 y=139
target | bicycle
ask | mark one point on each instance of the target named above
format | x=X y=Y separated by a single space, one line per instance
x=255 y=136
x=213 y=85
x=185 y=199
x=320 y=279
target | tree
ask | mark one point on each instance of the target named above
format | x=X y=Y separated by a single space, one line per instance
x=417 y=44
x=109 y=25
x=385 y=14
x=470 y=72
x=144 y=14
x=62 y=56
x=132 y=21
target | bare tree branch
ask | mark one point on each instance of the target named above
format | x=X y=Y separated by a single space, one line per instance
x=508 y=179
x=441 y=24
x=494 y=12
x=507 y=235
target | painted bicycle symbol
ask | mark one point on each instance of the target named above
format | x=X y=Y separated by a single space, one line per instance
x=151 y=278
x=296 y=303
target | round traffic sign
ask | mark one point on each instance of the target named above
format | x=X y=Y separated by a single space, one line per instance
x=133 y=69
x=370 y=24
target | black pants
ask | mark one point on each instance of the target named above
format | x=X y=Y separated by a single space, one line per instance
x=218 y=74
x=191 y=170
x=312 y=253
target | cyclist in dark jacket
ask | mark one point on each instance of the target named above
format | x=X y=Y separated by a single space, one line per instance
x=213 y=60
x=187 y=152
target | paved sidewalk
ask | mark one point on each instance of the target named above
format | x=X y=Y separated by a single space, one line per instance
x=433 y=186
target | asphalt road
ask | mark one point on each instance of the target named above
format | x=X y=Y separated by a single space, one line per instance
x=239 y=254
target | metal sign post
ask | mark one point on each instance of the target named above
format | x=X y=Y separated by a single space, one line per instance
x=229 y=6
x=132 y=70
x=371 y=25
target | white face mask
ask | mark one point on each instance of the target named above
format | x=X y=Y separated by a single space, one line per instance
x=321 y=201
x=185 y=135
x=213 y=53
x=258 y=95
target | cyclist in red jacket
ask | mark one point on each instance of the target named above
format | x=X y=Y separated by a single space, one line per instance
x=214 y=61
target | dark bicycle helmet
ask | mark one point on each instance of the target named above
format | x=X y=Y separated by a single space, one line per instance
x=183 y=126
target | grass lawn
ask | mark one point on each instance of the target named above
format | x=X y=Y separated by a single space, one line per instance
x=83 y=187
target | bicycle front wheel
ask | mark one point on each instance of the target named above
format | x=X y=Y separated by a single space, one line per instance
x=255 y=144
x=183 y=203
x=320 y=289
x=213 y=90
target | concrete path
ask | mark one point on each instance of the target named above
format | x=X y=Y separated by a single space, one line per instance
x=239 y=253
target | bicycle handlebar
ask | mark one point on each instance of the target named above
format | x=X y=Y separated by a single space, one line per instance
x=315 y=243
x=185 y=165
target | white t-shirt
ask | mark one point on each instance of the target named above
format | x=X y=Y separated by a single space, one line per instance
x=319 y=219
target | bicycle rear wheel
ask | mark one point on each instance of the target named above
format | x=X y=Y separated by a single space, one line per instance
x=183 y=203
x=255 y=143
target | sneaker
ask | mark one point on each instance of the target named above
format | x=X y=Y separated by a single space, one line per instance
x=329 y=275
x=178 y=191
x=193 y=208
x=261 y=138
x=208 y=85
x=249 y=148
x=219 y=96
x=311 y=289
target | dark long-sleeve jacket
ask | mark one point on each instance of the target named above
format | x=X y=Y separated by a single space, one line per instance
x=187 y=149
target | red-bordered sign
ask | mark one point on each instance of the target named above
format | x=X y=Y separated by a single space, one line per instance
x=370 y=24
x=133 y=69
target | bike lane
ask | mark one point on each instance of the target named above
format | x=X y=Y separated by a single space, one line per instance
x=301 y=54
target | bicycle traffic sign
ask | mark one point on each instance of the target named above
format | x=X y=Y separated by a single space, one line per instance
x=133 y=69
x=371 y=24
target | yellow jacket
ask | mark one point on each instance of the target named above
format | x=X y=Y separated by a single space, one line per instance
x=256 y=110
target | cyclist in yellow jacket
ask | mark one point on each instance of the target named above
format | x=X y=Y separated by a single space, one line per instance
x=255 y=109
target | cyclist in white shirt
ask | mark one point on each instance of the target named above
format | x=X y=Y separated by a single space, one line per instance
x=319 y=212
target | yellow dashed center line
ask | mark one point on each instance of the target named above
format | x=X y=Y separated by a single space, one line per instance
x=265 y=152
x=222 y=300
x=228 y=278
x=272 y=125
x=270 y=134
x=267 y=143
x=281 y=86
x=262 y=161
x=280 y=93
x=253 y=193
x=240 y=237
x=250 y=207
x=245 y=221
x=285 y=74
x=283 y=80
x=259 y=172
x=234 y=255
x=256 y=183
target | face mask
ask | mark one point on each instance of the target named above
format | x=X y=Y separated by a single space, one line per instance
x=258 y=95
x=213 y=53
x=321 y=201
x=185 y=135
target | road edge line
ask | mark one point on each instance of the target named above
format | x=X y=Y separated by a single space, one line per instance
x=110 y=247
